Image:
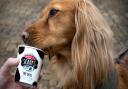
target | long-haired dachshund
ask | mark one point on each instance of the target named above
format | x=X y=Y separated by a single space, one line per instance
x=79 y=43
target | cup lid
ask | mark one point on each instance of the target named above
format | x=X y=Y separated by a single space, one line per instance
x=22 y=45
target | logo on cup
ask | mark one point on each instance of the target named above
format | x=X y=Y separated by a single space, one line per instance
x=29 y=62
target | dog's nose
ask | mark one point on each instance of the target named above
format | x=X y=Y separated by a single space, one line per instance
x=24 y=36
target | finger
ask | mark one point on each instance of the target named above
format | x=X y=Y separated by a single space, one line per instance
x=11 y=62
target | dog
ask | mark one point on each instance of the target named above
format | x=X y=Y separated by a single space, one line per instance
x=78 y=41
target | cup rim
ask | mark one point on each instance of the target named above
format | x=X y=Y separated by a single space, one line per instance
x=22 y=45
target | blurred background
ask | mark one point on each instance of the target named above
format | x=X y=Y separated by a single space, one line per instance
x=15 y=15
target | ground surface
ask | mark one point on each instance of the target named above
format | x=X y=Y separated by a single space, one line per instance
x=16 y=14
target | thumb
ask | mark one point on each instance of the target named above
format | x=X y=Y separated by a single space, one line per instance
x=11 y=62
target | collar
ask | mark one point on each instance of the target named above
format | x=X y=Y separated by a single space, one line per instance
x=110 y=82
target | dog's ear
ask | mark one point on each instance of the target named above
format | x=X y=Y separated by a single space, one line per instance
x=91 y=46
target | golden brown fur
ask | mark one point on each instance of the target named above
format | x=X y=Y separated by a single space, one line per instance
x=79 y=43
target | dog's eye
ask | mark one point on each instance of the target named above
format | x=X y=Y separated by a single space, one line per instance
x=53 y=12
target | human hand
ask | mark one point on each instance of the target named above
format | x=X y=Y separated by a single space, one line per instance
x=6 y=78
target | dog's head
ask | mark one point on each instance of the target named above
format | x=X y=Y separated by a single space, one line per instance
x=54 y=28
x=77 y=27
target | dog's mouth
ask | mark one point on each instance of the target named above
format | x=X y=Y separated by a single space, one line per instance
x=31 y=41
x=48 y=51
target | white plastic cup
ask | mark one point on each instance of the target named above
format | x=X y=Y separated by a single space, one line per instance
x=30 y=65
